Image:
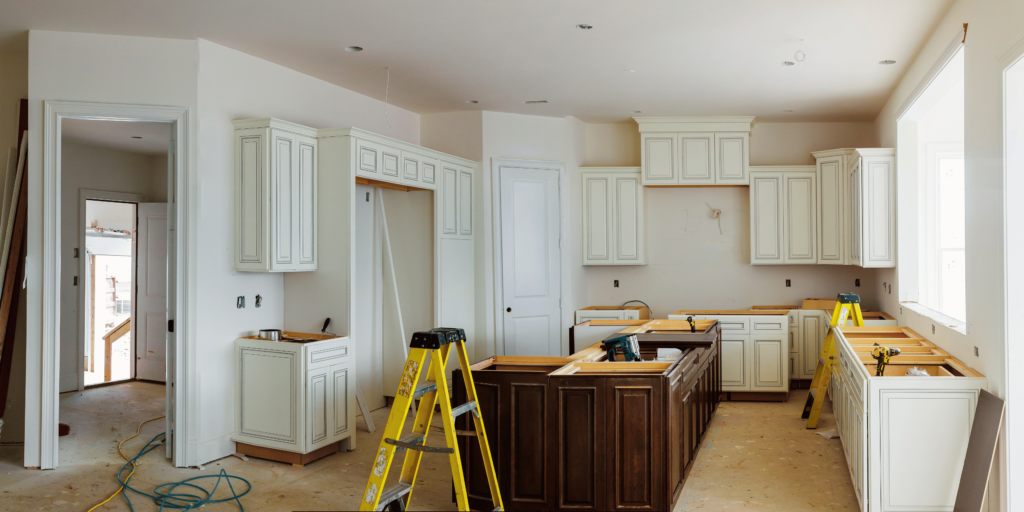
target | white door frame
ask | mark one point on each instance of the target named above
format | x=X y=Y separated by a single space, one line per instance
x=1013 y=248
x=43 y=353
x=97 y=195
x=563 y=191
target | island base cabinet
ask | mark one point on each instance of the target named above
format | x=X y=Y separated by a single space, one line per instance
x=591 y=440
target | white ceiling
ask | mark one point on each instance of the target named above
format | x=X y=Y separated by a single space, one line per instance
x=156 y=137
x=688 y=58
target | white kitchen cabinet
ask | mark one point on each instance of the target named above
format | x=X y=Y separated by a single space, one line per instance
x=810 y=336
x=755 y=350
x=275 y=196
x=904 y=438
x=783 y=215
x=294 y=397
x=612 y=313
x=456 y=201
x=695 y=151
x=613 y=216
x=856 y=209
x=766 y=218
x=731 y=158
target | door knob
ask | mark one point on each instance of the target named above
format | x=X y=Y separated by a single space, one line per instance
x=508 y=310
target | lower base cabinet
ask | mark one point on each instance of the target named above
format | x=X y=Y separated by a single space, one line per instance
x=590 y=440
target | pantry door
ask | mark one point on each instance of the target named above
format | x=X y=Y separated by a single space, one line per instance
x=150 y=308
x=530 y=206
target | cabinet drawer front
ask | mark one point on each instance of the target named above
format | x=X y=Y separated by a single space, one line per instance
x=769 y=324
x=368 y=158
x=731 y=324
x=326 y=356
x=599 y=314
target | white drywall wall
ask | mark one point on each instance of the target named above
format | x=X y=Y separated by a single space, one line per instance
x=94 y=68
x=994 y=26
x=234 y=85
x=94 y=168
x=455 y=133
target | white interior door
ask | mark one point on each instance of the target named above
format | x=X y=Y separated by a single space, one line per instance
x=149 y=313
x=530 y=256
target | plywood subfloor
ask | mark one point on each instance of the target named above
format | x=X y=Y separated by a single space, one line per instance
x=757 y=456
x=760 y=456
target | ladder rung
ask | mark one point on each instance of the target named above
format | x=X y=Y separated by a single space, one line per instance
x=410 y=438
x=418 y=447
x=467 y=433
x=464 y=408
x=423 y=388
x=393 y=493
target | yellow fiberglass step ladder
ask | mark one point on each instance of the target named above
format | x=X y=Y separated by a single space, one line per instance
x=434 y=390
x=847 y=305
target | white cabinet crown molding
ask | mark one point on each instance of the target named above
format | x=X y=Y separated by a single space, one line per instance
x=389 y=141
x=695 y=124
x=277 y=124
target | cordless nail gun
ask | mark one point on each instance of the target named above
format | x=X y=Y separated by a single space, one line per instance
x=625 y=344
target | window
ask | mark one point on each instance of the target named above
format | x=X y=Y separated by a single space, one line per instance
x=933 y=249
x=124 y=307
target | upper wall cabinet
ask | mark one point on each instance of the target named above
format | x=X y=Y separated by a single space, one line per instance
x=613 y=216
x=383 y=159
x=682 y=151
x=783 y=215
x=857 y=207
x=275 y=196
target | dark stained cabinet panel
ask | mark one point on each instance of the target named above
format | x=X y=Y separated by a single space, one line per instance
x=591 y=441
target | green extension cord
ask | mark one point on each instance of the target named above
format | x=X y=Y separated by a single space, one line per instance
x=191 y=497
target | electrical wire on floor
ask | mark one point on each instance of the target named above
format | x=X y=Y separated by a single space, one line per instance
x=166 y=495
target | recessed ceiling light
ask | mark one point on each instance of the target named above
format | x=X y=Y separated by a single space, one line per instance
x=786 y=63
x=584 y=26
x=634 y=111
x=136 y=137
x=531 y=102
x=472 y=101
x=886 y=62
x=787 y=111
x=629 y=71
x=354 y=49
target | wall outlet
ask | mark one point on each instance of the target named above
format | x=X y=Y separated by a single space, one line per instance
x=933 y=328
x=789 y=283
x=856 y=282
x=616 y=283
x=975 y=351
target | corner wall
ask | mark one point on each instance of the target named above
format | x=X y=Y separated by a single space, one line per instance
x=994 y=25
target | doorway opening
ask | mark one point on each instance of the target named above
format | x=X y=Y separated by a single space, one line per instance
x=114 y=305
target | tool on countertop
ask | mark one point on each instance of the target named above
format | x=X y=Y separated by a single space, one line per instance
x=693 y=325
x=882 y=355
x=626 y=344
x=434 y=390
x=848 y=304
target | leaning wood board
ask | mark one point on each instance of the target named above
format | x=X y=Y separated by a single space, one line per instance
x=560 y=440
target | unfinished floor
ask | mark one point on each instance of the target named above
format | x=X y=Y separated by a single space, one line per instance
x=757 y=456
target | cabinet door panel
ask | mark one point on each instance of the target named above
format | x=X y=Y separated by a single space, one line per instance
x=597 y=220
x=581 y=442
x=831 y=222
x=283 y=182
x=853 y=196
x=389 y=163
x=734 y=363
x=340 y=400
x=449 y=201
x=811 y=327
x=635 y=429
x=697 y=158
x=318 y=408
x=769 y=360
x=766 y=218
x=429 y=169
x=368 y=159
x=799 y=215
x=410 y=168
x=628 y=219
x=465 y=203
x=659 y=159
x=268 y=399
x=731 y=158
x=880 y=213
x=251 y=182
x=527 y=468
x=306 y=205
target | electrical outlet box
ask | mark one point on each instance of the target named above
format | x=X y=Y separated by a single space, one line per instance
x=616 y=283
x=856 y=282
x=789 y=283
x=975 y=351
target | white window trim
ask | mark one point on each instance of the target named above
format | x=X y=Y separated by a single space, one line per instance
x=936 y=316
x=929 y=232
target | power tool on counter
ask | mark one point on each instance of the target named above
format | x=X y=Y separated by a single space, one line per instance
x=693 y=325
x=882 y=355
x=626 y=344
